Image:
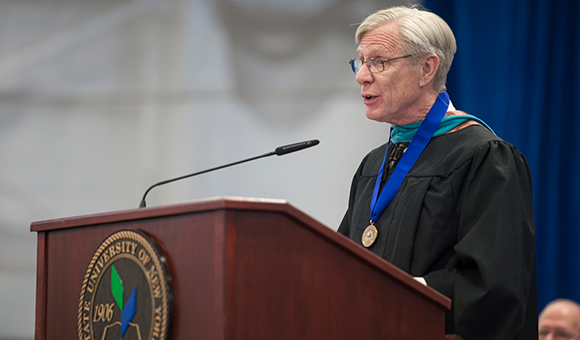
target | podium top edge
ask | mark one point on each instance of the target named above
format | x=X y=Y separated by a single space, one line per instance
x=208 y=204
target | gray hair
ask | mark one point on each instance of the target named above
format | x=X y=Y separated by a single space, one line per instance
x=422 y=33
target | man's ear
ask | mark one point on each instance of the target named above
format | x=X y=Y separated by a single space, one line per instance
x=429 y=66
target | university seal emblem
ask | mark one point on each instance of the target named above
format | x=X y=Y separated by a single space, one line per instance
x=126 y=292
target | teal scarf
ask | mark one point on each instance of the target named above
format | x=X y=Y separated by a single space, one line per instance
x=405 y=133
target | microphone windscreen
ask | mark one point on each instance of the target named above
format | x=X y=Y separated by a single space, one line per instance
x=282 y=150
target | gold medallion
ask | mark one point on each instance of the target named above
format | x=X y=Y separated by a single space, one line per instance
x=369 y=235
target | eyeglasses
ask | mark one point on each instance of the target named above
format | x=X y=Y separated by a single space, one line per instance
x=557 y=334
x=375 y=65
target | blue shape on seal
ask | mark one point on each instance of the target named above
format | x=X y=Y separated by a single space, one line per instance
x=128 y=312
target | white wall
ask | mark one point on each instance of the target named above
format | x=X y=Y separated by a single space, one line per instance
x=100 y=99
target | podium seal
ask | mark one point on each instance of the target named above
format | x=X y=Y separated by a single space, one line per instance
x=126 y=291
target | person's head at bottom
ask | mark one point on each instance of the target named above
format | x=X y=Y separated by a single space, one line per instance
x=560 y=320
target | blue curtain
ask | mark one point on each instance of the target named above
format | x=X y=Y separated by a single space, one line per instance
x=517 y=67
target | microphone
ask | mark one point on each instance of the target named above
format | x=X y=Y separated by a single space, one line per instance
x=281 y=150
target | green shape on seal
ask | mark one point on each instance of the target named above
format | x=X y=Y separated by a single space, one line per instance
x=117 y=288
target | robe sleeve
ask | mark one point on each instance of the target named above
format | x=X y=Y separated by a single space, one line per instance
x=492 y=273
x=344 y=227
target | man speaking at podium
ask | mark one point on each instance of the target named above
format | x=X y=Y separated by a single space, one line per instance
x=445 y=199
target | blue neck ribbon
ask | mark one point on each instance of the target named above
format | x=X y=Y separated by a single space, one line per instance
x=418 y=143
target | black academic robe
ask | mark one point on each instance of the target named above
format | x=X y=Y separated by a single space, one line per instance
x=463 y=220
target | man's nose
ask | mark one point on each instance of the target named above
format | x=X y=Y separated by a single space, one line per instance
x=364 y=75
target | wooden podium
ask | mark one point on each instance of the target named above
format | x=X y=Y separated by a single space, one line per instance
x=243 y=269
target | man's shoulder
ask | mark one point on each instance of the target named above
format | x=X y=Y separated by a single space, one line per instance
x=447 y=153
x=371 y=163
